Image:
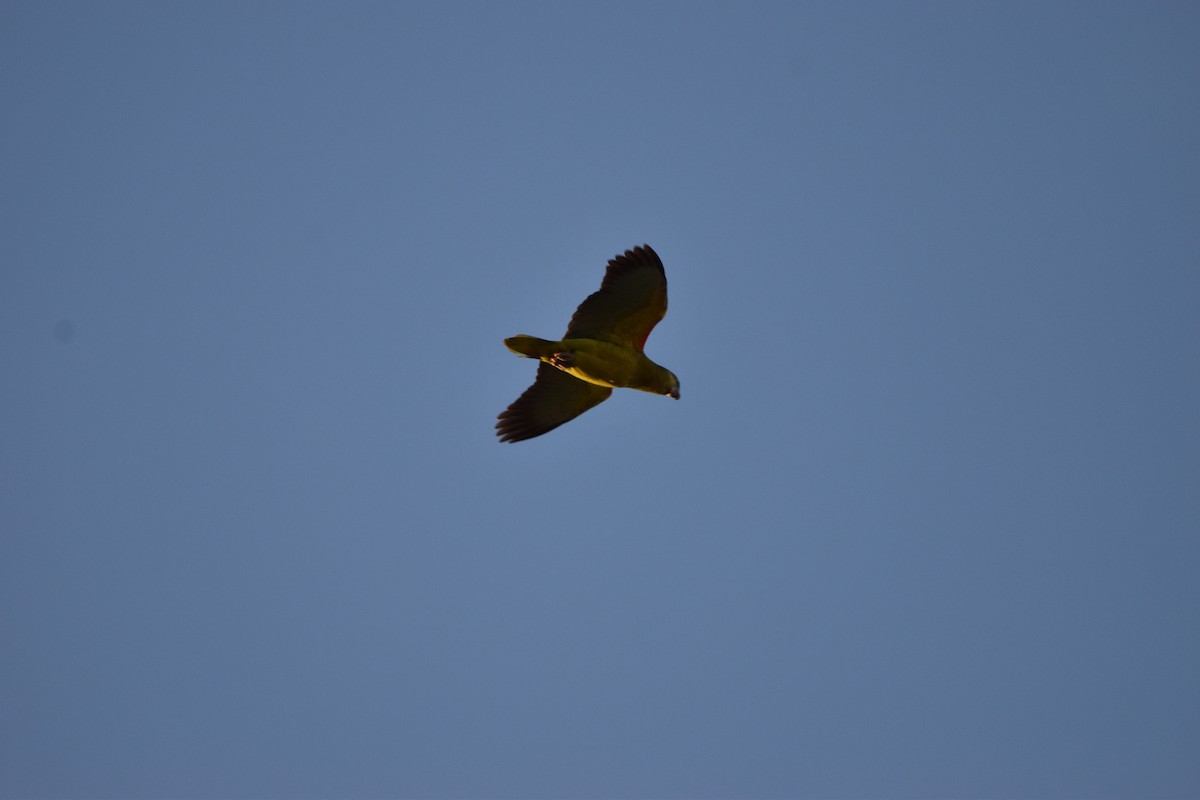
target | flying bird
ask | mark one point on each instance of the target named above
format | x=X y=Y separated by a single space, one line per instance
x=601 y=350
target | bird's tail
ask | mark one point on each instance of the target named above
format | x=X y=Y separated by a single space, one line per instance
x=530 y=346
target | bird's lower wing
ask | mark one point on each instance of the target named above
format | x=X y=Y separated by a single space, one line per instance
x=554 y=398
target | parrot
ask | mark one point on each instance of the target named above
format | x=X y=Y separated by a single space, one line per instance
x=601 y=350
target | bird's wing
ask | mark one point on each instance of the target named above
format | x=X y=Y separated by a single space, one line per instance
x=554 y=398
x=631 y=301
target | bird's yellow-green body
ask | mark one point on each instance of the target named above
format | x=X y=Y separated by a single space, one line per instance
x=601 y=350
x=599 y=362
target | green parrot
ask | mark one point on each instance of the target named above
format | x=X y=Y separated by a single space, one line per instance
x=601 y=350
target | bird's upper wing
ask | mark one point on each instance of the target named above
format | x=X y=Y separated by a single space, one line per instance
x=554 y=398
x=631 y=301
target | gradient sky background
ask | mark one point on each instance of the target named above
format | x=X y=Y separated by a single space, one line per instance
x=925 y=523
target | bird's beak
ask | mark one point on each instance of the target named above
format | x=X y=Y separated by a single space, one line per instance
x=673 y=393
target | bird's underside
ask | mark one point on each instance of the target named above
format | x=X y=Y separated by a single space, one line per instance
x=602 y=350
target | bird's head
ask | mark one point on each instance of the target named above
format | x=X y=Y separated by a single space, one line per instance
x=672 y=386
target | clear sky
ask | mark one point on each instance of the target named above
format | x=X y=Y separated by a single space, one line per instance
x=924 y=524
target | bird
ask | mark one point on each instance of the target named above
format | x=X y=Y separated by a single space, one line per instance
x=601 y=350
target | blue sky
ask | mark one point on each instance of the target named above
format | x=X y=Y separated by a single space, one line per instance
x=925 y=522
